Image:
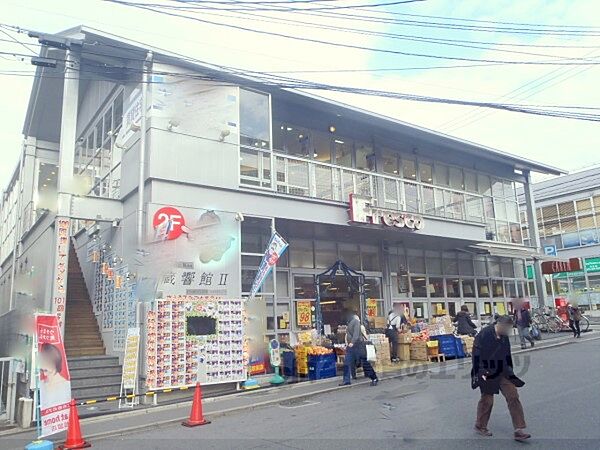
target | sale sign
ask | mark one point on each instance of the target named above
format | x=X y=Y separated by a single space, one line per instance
x=371 y=307
x=168 y=223
x=304 y=313
x=54 y=379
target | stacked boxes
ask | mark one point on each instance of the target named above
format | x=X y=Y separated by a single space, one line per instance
x=404 y=340
x=468 y=344
x=382 y=348
x=302 y=360
x=418 y=351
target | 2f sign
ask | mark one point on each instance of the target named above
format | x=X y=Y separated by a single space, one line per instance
x=168 y=222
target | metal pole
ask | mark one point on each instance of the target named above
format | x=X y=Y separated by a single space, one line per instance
x=535 y=239
x=142 y=168
x=17 y=229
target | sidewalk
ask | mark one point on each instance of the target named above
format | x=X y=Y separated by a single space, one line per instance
x=152 y=417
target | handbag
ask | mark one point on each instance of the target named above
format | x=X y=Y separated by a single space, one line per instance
x=371 y=353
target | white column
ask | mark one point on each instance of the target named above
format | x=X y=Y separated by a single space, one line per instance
x=66 y=163
x=534 y=236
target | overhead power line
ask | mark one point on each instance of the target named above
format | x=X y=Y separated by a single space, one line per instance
x=339 y=44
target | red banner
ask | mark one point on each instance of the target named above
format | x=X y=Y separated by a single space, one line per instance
x=54 y=378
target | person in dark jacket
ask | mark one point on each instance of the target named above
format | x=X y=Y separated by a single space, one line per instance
x=522 y=318
x=493 y=373
x=575 y=316
x=356 y=351
x=464 y=324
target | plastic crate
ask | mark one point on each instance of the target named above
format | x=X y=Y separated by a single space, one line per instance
x=448 y=345
x=315 y=373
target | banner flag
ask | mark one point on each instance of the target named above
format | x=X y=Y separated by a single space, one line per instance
x=54 y=379
x=277 y=247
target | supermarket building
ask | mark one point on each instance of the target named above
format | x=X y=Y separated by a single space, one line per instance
x=568 y=219
x=225 y=159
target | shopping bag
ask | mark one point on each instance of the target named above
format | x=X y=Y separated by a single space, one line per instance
x=371 y=354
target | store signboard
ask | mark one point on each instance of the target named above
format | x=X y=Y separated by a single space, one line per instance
x=54 y=380
x=363 y=210
x=592 y=265
x=61 y=264
x=530 y=272
x=168 y=223
x=130 y=359
x=304 y=313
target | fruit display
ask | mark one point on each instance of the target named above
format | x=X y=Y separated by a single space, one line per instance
x=319 y=350
x=422 y=336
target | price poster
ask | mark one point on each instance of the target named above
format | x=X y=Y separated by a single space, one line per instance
x=195 y=338
x=371 y=307
x=130 y=360
x=304 y=313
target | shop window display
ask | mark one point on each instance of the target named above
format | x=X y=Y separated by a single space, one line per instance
x=453 y=287
x=419 y=286
x=420 y=310
x=483 y=288
x=436 y=287
x=468 y=288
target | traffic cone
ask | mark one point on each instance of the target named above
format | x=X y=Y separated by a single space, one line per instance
x=74 y=438
x=196 y=416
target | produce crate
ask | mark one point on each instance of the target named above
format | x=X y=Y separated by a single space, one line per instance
x=322 y=366
x=450 y=346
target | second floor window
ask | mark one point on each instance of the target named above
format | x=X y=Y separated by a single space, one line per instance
x=255 y=120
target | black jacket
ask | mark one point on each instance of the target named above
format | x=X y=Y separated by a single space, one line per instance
x=492 y=358
x=464 y=324
x=525 y=318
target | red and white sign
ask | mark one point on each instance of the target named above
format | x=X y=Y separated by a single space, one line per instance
x=54 y=379
x=168 y=223
x=61 y=264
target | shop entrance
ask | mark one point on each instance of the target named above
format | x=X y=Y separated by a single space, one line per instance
x=339 y=288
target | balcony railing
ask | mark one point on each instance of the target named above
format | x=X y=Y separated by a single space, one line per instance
x=297 y=176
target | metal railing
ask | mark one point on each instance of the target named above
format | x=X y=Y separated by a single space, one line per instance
x=301 y=177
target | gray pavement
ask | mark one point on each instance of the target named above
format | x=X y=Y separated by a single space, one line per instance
x=431 y=410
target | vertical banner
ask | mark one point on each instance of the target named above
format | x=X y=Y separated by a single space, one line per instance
x=61 y=265
x=277 y=246
x=54 y=379
x=371 y=307
x=130 y=360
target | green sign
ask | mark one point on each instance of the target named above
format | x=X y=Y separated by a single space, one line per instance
x=592 y=265
x=530 y=273
x=578 y=273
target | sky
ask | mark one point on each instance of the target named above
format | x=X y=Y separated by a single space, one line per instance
x=568 y=144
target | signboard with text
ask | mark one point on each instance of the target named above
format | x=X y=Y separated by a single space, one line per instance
x=363 y=210
x=61 y=264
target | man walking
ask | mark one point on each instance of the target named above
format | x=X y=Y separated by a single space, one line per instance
x=492 y=373
x=356 y=351
x=522 y=318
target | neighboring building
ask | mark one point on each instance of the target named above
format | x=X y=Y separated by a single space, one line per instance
x=225 y=159
x=568 y=218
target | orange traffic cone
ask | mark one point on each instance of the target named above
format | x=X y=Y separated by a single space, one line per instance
x=74 y=438
x=196 y=416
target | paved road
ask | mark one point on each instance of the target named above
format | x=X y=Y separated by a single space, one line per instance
x=562 y=405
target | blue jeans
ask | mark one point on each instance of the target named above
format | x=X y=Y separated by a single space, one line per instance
x=349 y=364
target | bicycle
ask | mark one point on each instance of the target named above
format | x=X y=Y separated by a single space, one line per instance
x=546 y=321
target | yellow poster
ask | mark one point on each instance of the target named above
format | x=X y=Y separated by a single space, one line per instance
x=303 y=314
x=500 y=309
x=371 y=307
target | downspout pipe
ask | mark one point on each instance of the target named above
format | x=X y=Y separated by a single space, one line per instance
x=142 y=167
x=17 y=229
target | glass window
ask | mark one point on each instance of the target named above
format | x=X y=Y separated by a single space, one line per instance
x=254 y=119
x=458 y=205
x=409 y=169
x=450 y=263
x=480 y=266
x=420 y=310
x=470 y=181
x=472 y=308
x=468 y=288
x=584 y=206
x=301 y=253
x=483 y=288
x=434 y=263
x=508 y=269
x=440 y=208
x=589 y=237
x=483 y=184
x=283 y=309
x=474 y=208
x=325 y=254
x=343 y=149
x=497 y=188
x=428 y=200
x=442 y=177
x=373 y=288
x=292 y=140
x=418 y=286
x=304 y=287
x=390 y=163
x=453 y=287
x=503 y=231
x=425 y=172
x=321 y=146
x=497 y=288
x=586 y=222
x=494 y=267
x=411 y=197
x=510 y=288
x=350 y=254
x=465 y=265
x=570 y=240
x=249 y=164
x=566 y=209
x=500 y=207
x=364 y=157
x=283 y=287
x=436 y=287
x=118 y=106
x=370 y=258
x=488 y=207
x=416 y=261
x=568 y=225
x=456 y=178
x=519 y=268
x=550 y=212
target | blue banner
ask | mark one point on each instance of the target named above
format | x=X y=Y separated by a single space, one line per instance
x=277 y=246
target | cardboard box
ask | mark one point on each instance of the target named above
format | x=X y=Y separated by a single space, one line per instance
x=405 y=338
x=404 y=352
x=418 y=345
x=419 y=354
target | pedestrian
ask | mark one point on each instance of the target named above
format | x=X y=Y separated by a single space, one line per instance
x=522 y=318
x=463 y=322
x=356 y=351
x=492 y=373
x=395 y=321
x=574 y=319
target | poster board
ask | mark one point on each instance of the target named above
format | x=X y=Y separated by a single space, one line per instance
x=129 y=378
x=183 y=347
